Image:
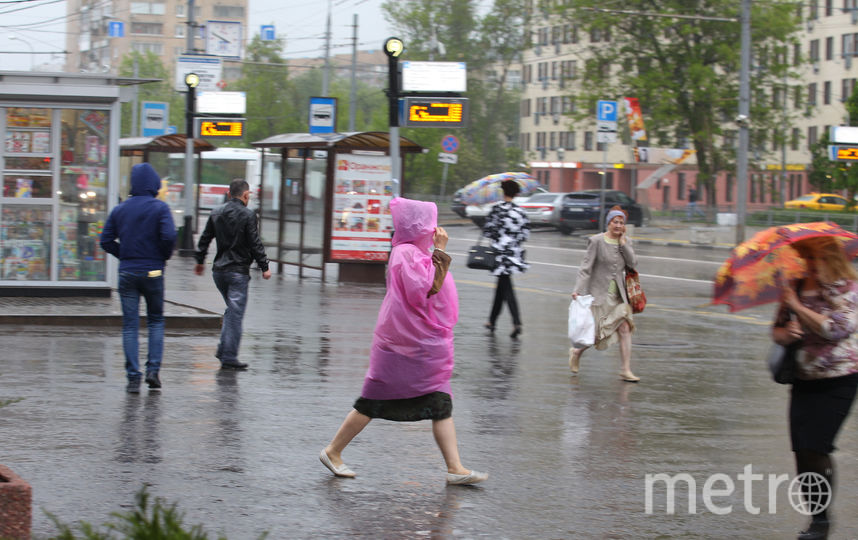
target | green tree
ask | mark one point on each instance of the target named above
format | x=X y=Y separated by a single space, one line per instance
x=826 y=175
x=265 y=80
x=491 y=46
x=149 y=66
x=685 y=70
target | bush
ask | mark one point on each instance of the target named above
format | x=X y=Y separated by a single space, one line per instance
x=162 y=521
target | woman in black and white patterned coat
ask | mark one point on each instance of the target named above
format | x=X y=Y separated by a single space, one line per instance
x=507 y=226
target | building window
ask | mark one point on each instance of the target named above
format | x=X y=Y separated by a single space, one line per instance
x=600 y=147
x=525 y=108
x=814 y=50
x=149 y=29
x=588 y=140
x=811 y=94
x=143 y=48
x=147 y=8
x=680 y=186
x=796 y=97
x=728 y=188
x=846 y=86
x=552 y=144
x=829 y=8
x=814 y=9
x=811 y=137
x=793 y=140
x=826 y=93
x=234 y=12
x=180 y=10
x=570 y=140
x=829 y=48
x=796 y=54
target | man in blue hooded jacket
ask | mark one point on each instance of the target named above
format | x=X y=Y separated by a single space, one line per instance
x=141 y=233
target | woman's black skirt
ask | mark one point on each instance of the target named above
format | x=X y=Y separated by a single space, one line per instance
x=817 y=410
x=432 y=406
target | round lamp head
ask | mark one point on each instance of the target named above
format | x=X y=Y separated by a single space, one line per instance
x=192 y=80
x=393 y=47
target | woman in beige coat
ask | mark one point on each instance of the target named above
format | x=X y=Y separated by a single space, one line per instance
x=602 y=275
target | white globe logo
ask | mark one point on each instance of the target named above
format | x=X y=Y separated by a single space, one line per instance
x=809 y=493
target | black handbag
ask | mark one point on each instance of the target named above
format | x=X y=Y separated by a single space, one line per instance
x=781 y=362
x=482 y=257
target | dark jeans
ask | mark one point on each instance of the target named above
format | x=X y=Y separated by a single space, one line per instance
x=505 y=293
x=233 y=288
x=132 y=285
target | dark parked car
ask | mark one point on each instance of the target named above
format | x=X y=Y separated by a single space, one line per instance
x=457 y=206
x=581 y=209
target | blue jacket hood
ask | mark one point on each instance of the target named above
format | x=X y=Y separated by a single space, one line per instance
x=144 y=180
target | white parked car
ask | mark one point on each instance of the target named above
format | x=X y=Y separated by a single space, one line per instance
x=479 y=212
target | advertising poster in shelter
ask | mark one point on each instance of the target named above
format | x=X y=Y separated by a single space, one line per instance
x=362 y=225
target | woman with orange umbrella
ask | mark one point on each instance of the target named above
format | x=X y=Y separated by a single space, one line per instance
x=819 y=315
x=822 y=315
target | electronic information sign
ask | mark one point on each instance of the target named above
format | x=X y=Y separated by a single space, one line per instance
x=434 y=112
x=220 y=128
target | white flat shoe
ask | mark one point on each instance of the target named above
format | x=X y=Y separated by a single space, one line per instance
x=472 y=477
x=342 y=470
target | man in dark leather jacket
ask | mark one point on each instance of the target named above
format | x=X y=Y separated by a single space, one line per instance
x=238 y=245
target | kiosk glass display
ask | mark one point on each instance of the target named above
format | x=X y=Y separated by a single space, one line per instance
x=54 y=167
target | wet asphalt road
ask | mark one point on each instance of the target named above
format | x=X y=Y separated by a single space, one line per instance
x=567 y=455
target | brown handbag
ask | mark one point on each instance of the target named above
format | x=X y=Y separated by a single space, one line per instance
x=636 y=296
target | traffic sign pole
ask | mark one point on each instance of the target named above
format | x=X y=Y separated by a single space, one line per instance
x=606 y=121
x=444 y=178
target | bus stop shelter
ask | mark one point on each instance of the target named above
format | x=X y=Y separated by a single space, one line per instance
x=330 y=204
x=136 y=150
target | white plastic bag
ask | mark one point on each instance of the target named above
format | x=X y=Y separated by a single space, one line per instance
x=582 y=327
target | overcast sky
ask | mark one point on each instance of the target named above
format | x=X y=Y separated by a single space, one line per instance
x=39 y=26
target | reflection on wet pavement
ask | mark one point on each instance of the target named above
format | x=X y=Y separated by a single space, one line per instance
x=567 y=455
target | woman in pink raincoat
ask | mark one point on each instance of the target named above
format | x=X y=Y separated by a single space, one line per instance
x=411 y=359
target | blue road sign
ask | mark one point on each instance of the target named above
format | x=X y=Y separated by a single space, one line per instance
x=266 y=33
x=171 y=130
x=116 y=29
x=606 y=111
x=450 y=143
x=323 y=115
x=156 y=114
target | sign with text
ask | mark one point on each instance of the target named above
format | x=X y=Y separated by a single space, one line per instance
x=219 y=128
x=209 y=68
x=362 y=225
x=448 y=158
x=842 y=153
x=433 y=112
x=434 y=77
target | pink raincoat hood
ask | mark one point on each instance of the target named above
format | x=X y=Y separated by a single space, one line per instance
x=412 y=348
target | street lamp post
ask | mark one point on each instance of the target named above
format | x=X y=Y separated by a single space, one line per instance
x=393 y=47
x=28 y=44
x=192 y=80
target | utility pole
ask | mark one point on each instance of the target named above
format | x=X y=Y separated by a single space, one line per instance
x=743 y=120
x=326 y=73
x=134 y=104
x=353 y=90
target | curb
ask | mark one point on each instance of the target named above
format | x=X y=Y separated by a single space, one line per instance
x=668 y=243
x=171 y=322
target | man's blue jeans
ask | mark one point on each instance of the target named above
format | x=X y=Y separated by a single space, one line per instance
x=233 y=288
x=132 y=285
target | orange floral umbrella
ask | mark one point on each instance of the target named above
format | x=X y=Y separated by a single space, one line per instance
x=758 y=268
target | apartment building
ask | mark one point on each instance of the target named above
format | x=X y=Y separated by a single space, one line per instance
x=567 y=156
x=106 y=30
